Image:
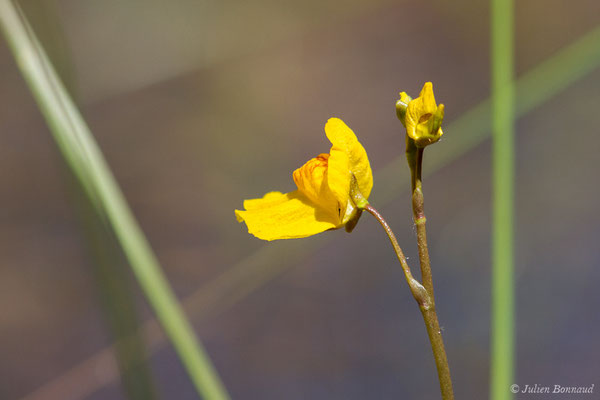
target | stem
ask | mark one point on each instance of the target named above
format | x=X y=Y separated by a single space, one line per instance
x=419 y=292
x=414 y=156
x=439 y=352
x=418 y=206
x=79 y=148
x=427 y=307
x=503 y=111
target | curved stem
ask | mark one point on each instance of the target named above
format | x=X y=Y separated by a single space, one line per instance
x=427 y=307
x=419 y=292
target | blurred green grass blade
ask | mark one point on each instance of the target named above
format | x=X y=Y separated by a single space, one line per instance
x=113 y=283
x=503 y=174
x=558 y=72
x=109 y=266
x=84 y=157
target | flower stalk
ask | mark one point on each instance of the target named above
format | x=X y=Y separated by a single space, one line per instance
x=421 y=294
x=416 y=288
x=415 y=162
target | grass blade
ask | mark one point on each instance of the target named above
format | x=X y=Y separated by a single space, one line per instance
x=85 y=159
x=503 y=172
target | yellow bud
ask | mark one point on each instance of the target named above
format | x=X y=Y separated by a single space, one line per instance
x=423 y=117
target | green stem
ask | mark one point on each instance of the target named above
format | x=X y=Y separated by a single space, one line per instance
x=419 y=292
x=503 y=111
x=84 y=157
x=425 y=301
x=418 y=207
x=439 y=352
x=414 y=156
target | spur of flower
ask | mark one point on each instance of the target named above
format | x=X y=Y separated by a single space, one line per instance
x=422 y=117
x=322 y=200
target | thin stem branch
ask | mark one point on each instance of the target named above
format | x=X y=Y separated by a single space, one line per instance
x=427 y=307
x=419 y=292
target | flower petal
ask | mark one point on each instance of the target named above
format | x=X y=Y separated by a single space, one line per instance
x=427 y=98
x=311 y=179
x=285 y=216
x=347 y=156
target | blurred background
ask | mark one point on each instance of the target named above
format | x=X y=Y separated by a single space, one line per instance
x=198 y=105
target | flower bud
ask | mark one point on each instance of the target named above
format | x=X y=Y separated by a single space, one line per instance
x=422 y=117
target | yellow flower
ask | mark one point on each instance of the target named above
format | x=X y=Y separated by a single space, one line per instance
x=423 y=118
x=322 y=200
